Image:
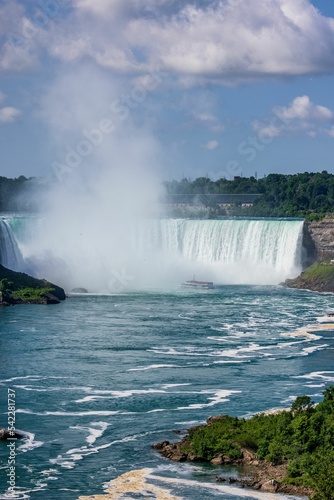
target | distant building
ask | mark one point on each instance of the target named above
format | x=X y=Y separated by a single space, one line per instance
x=199 y=201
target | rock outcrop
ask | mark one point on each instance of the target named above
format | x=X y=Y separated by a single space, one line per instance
x=319 y=277
x=7 y=434
x=253 y=473
x=20 y=288
x=318 y=240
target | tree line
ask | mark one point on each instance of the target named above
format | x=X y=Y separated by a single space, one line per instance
x=15 y=194
x=307 y=195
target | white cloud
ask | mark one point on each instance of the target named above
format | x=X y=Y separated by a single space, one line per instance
x=211 y=145
x=302 y=108
x=9 y=114
x=20 y=49
x=195 y=41
x=236 y=43
x=301 y=116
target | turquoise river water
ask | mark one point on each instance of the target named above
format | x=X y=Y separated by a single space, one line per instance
x=100 y=378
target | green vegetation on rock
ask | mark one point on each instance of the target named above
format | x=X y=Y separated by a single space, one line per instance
x=301 y=438
x=318 y=277
x=17 y=288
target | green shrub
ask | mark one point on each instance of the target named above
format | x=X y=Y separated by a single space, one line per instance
x=303 y=438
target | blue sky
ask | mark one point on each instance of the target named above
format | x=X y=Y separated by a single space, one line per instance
x=213 y=88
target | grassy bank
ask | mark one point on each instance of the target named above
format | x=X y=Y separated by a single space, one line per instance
x=318 y=277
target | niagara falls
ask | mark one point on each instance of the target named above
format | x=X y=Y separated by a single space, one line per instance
x=166 y=250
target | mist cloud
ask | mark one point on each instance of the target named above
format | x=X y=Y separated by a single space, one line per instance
x=86 y=235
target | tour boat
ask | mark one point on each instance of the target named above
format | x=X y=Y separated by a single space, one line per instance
x=197 y=284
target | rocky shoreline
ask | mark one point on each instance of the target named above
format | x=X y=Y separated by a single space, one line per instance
x=319 y=277
x=20 y=288
x=251 y=472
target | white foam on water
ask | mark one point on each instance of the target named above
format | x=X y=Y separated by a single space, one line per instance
x=219 y=396
x=47 y=472
x=31 y=377
x=29 y=442
x=138 y=482
x=187 y=317
x=321 y=375
x=152 y=367
x=118 y=394
x=157 y=410
x=325 y=319
x=51 y=389
x=170 y=386
x=309 y=350
x=220 y=339
x=231 y=490
x=307 y=331
x=95 y=431
x=171 y=351
x=18 y=495
x=69 y=414
x=189 y=422
x=74 y=455
x=231 y=361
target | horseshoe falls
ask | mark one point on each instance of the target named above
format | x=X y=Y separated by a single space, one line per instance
x=161 y=252
x=227 y=251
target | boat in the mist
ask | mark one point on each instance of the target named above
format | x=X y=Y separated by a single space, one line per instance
x=197 y=284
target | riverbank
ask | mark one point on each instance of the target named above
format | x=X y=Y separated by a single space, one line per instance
x=256 y=474
x=319 y=277
x=20 y=288
x=289 y=452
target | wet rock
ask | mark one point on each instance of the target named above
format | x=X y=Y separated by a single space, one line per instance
x=220 y=479
x=7 y=434
x=161 y=445
x=270 y=486
x=218 y=460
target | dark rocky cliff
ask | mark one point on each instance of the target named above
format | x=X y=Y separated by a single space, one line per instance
x=319 y=240
x=318 y=247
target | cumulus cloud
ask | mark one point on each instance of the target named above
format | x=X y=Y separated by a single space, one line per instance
x=196 y=41
x=9 y=114
x=300 y=116
x=211 y=145
x=302 y=108
x=227 y=41
x=22 y=37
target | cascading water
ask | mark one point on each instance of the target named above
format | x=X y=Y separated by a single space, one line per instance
x=230 y=251
x=164 y=252
x=10 y=255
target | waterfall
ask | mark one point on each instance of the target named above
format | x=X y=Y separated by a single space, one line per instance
x=230 y=251
x=10 y=255
x=102 y=254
